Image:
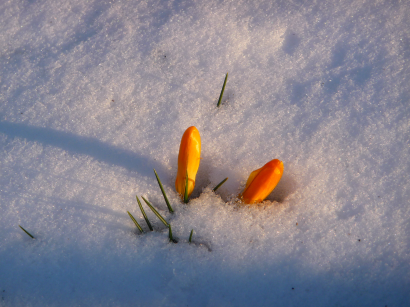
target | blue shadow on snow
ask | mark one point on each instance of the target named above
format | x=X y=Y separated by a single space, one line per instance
x=83 y=145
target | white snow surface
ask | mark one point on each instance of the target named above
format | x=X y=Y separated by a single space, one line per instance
x=96 y=94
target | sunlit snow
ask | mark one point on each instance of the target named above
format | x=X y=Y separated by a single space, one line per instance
x=96 y=94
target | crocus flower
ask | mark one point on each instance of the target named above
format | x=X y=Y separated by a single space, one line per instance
x=262 y=182
x=188 y=160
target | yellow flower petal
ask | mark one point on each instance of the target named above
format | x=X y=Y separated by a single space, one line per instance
x=261 y=182
x=188 y=160
x=251 y=177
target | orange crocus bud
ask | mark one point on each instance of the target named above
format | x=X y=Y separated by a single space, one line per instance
x=188 y=160
x=262 y=182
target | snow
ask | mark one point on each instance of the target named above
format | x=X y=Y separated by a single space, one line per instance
x=96 y=94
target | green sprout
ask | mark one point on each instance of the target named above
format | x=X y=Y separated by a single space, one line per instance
x=156 y=212
x=222 y=92
x=190 y=236
x=26 y=232
x=171 y=238
x=135 y=222
x=145 y=216
x=219 y=184
x=163 y=193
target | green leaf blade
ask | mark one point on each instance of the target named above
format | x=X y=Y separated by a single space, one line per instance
x=219 y=184
x=156 y=212
x=145 y=216
x=26 y=232
x=171 y=238
x=163 y=193
x=222 y=91
x=190 y=236
x=135 y=222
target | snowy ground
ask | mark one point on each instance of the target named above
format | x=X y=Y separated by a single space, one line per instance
x=95 y=94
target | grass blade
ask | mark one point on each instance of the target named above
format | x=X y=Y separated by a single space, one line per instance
x=135 y=222
x=26 y=232
x=145 y=216
x=186 y=188
x=222 y=92
x=171 y=238
x=163 y=193
x=156 y=212
x=190 y=236
x=219 y=184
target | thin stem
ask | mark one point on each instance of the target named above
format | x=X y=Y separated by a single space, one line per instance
x=163 y=193
x=26 y=232
x=222 y=92
x=135 y=222
x=156 y=212
x=145 y=216
x=219 y=184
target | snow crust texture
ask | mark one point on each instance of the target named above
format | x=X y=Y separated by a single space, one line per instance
x=96 y=94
